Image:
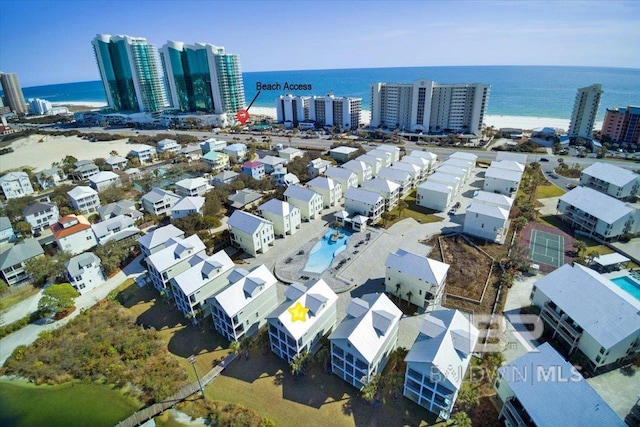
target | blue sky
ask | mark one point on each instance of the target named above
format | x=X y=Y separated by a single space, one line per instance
x=49 y=41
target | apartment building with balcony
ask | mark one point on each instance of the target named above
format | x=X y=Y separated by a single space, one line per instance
x=174 y=259
x=344 y=177
x=587 y=313
x=308 y=201
x=330 y=190
x=13 y=259
x=402 y=178
x=159 y=201
x=41 y=215
x=283 y=215
x=144 y=153
x=611 y=180
x=622 y=125
x=84 y=199
x=15 y=184
x=362 y=170
x=358 y=201
x=84 y=272
x=73 y=233
x=250 y=233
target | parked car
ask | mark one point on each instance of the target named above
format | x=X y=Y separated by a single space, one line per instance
x=544 y=159
x=571 y=186
x=452 y=211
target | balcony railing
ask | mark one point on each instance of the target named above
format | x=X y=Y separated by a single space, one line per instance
x=515 y=413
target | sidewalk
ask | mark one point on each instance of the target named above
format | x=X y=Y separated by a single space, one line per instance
x=29 y=334
x=21 y=309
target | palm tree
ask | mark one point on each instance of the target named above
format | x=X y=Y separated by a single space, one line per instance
x=299 y=363
x=323 y=357
x=393 y=381
x=398 y=286
x=580 y=247
x=386 y=216
x=409 y=295
x=369 y=391
x=461 y=419
x=467 y=397
x=245 y=344
x=234 y=346
x=402 y=205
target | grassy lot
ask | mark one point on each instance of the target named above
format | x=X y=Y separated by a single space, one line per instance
x=11 y=299
x=419 y=213
x=24 y=404
x=545 y=191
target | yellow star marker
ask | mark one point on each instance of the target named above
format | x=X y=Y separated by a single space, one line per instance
x=298 y=312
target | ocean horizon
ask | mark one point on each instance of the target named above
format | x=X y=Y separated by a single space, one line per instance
x=530 y=91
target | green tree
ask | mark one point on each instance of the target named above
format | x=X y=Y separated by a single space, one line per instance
x=300 y=364
x=23 y=228
x=519 y=223
x=386 y=216
x=580 y=247
x=323 y=357
x=267 y=422
x=398 y=288
x=492 y=361
x=461 y=419
x=402 y=205
x=234 y=346
x=57 y=299
x=409 y=295
x=467 y=397
x=369 y=391
x=4 y=287
x=41 y=269
x=393 y=382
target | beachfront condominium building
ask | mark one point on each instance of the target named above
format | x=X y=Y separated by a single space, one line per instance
x=622 y=125
x=329 y=110
x=13 y=95
x=585 y=109
x=427 y=106
x=130 y=72
x=15 y=185
x=610 y=179
x=203 y=78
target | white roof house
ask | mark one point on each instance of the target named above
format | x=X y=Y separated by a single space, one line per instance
x=330 y=190
x=387 y=189
x=400 y=177
x=308 y=201
x=284 y=216
x=425 y=155
x=250 y=232
x=345 y=177
x=241 y=308
x=610 y=179
x=373 y=161
x=317 y=167
x=358 y=201
x=488 y=222
x=493 y=199
x=121 y=207
x=116 y=228
x=544 y=389
x=421 y=162
x=307 y=314
x=449 y=180
x=143 y=152
x=464 y=155
x=385 y=157
x=117 y=162
x=516 y=157
x=503 y=181
x=508 y=165
x=361 y=169
x=453 y=170
x=192 y=187
x=203 y=280
x=271 y=162
x=154 y=240
x=465 y=165
x=414 y=170
x=365 y=337
x=438 y=360
x=236 y=152
x=159 y=201
x=168 y=146
x=85 y=199
x=342 y=154
x=290 y=153
x=103 y=180
x=173 y=259
x=395 y=151
x=589 y=314
x=187 y=206
x=84 y=272
x=434 y=195
x=415 y=278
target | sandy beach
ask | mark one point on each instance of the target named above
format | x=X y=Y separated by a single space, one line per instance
x=31 y=152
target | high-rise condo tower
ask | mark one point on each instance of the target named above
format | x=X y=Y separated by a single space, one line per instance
x=585 y=109
x=13 y=93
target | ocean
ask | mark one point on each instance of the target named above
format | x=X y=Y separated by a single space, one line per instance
x=535 y=91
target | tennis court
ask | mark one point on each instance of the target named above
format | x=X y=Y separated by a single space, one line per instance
x=546 y=248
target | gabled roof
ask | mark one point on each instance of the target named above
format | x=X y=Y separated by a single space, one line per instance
x=495 y=199
x=408 y=167
x=5 y=223
x=464 y=155
x=252 y=165
x=564 y=399
x=248 y=286
x=506 y=174
x=190 y=149
x=516 y=157
x=488 y=210
x=224 y=175
x=81 y=191
x=395 y=175
x=115 y=160
x=189 y=203
x=300 y=193
x=103 y=176
x=38 y=207
x=369 y=159
x=600 y=205
x=175 y=253
x=387 y=147
x=315 y=295
x=106 y=227
x=289 y=150
x=167 y=142
x=156 y=194
x=191 y=183
x=13 y=176
x=322 y=183
x=278 y=207
x=60 y=231
x=369 y=324
x=419 y=161
x=343 y=150
x=20 y=252
x=508 y=165
x=243 y=197
x=381 y=184
x=587 y=298
x=424 y=154
x=380 y=154
x=246 y=222
x=159 y=236
x=271 y=160
x=121 y=207
x=432 y=271
x=365 y=196
x=444 y=345
x=204 y=272
x=356 y=166
x=213 y=155
x=437 y=187
x=444 y=178
x=610 y=173
x=137 y=148
x=337 y=172
x=50 y=172
x=76 y=264
x=236 y=147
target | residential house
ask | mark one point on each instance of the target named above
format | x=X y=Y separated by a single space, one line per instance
x=212 y=144
x=308 y=201
x=168 y=146
x=217 y=160
x=173 y=259
x=115 y=229
x=103 y=180
x=402 y=178
x=144 y=153
x=191 y=152
x=395 y=151
x=465 y=155
x=244 y=199
x=449 y=180
x=287 y=180
x=298 y=324
x=84 y=199
x=191 y=288
x=344 y=177
x=508 y=165
x=465 y=165
x=493 y=199
x=250 y=233
x=41 y=215
x=271 y=162
x=15 y=184
x=512 y=156
x=288 y=154
x=372 y=161
x=454 y=170
x=49 y=178
x=361 y=169
x=438 y=360
x=73 y=234
x=159 y=201
x=541 y=389
x=416 y=279
x=363 y=341
x=385 y=157
x=611 y=180
x=413 y=170
x=190 y=205
x=6 y=230
x=343 y=154
x=84 y=272
x=317 y=167
x=588 y=314
x=502 y=181
x=421 y=162
x=117 y=163
x=237 y=152
x=240 y=309
x=434 y=195
x=330 y=190
x=431 y=157
x=155 y=240
x=122 y=207
x=284 y=216
x=254 y=169
x=84 y=169
x=224 y=177
x=486 y=222
x=598 y=214
x=191 y=187
x=358 y=201
x=13 y=259
x=387 y=189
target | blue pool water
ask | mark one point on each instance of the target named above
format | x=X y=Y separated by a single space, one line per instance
x=324 y=252
x=628 y=285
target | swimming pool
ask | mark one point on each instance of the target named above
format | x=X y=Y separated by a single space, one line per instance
x=629 y=285
x=323 y=253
